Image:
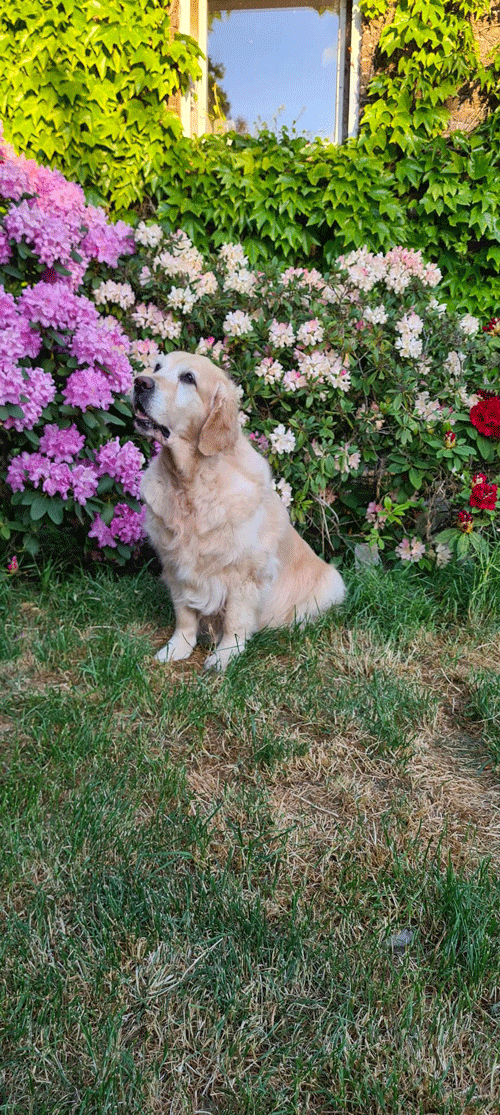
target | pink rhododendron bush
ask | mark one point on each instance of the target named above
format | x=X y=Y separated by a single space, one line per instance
x=379 y=409
x=70 y=471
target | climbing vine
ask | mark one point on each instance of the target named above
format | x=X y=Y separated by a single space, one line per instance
x=427 y=54
x=86 y=89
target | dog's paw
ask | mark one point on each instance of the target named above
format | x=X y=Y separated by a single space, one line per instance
x=176 y=650
x=213 y=662
x=221 y=657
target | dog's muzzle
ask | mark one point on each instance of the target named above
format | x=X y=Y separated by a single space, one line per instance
x=144 y=387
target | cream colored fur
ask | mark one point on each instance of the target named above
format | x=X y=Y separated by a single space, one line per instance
x=224 y=537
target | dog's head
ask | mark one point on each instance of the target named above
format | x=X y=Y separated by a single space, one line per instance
x=187 y=397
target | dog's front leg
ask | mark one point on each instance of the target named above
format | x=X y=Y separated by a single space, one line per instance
x=183 y=640
x=239 y=625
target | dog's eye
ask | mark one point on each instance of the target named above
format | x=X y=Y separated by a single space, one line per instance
x=187 y=377
x=157 y=367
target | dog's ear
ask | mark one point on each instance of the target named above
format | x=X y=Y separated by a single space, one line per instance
x=220 y=430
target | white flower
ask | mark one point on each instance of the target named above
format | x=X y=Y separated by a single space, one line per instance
x=147 y=317
x=431 y=275
x=205 y=346
x=410 y=323
x=182 y=258
x=144 y=276
x=120 y=293
x=454 y=362
x=270 y=370
x=438 y=307
x=182 y=298
x=293 y=379
x=469 y=325
x=443 y=553
x=311 y=333
x=281 y=334
x=282 y=487
x=409 y=345
x=363 y=268
x=376 y=315
x=332 y=294
x=315 y=366
x=243 y=281
x=237 y=324
x=145 y=353
x=347 y=460
x=468 y=401
x=428 y=409
x=169 y=328
x=148 y=235
x=282 y=440
x=206 y=284
x=233 y=256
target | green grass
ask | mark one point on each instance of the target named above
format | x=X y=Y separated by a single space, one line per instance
x=202 y=876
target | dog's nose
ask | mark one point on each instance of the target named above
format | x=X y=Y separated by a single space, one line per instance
x=144 y=383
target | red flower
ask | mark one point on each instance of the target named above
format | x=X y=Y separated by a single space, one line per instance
x=493 y=326
x=50 y=276
x=484 y=496
x=465 y=521
x=485 y=415
x=449 y=439
x=479 y=478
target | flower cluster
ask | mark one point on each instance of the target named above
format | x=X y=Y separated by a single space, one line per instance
x=485 y=415
x=64 y=365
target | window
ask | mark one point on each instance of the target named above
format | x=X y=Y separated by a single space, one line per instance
x=270 y=61
x=281 y=65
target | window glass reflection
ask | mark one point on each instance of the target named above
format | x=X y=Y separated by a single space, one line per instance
x=274 y=66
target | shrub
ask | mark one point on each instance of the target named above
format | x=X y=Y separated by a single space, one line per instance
x=67 y=476
x=304 y=203
x=86 y=89
x=373 y=402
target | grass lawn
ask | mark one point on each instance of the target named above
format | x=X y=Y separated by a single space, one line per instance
x=270 y=893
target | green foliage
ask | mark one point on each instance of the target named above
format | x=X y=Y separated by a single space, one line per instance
x=295 y=201
x=86 y=89
x=427 y=54
x=281 y=195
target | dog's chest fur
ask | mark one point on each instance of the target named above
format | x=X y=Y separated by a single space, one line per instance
x=195 y=529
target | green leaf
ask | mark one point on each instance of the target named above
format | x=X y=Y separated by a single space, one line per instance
x=39 y=506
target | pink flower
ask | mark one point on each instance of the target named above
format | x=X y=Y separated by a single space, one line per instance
x=123 y=462
x=58 y=479
x=13 y=565
x=128 y=525
x=101 y=532
x=52 y=304
x=62 y=445
x=88 y=388
x=34 y=393
x=411 y=550
x=84 y=480
x=5 y=250
x=102 y=343
x=375 y=513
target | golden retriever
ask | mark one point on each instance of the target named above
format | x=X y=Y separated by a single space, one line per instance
x=221 y=531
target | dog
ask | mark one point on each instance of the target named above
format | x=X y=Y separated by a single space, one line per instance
x=223 y=535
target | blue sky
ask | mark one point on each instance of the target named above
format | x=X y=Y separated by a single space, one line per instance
x=279 y=57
